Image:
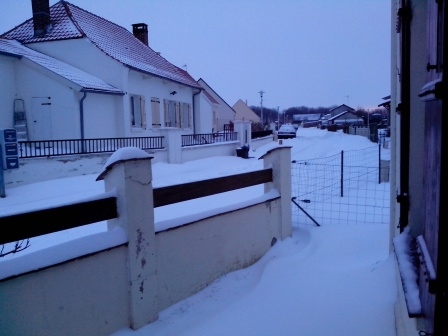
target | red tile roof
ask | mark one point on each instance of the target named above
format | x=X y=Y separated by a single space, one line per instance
x=70 y=22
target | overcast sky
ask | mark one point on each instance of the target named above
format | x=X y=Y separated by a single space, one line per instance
x=299 y=52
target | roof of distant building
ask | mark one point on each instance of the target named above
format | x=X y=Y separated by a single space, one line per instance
x=85 y=81
x=71 y=22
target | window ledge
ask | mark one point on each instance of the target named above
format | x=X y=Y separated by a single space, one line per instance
x=405 y=254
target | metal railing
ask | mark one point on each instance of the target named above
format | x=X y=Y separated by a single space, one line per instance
x=209 y=138
x=45 y=148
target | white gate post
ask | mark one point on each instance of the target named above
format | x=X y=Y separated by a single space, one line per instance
x=173 y=142
x=244 y=130
x=279 y=159
x=131 y=179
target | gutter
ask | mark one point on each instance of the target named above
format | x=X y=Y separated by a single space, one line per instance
x=81 y=119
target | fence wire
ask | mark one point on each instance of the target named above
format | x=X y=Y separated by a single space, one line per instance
x=351 y=187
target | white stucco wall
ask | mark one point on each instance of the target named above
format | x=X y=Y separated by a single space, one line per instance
x=84 y=55
x=191 y=153
x=212 y=247
x=204 y=115
x=7 y=90
x=87 y=296
x=101 y=115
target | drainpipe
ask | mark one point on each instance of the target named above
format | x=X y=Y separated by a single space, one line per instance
x=81 y=119
x=194 y=110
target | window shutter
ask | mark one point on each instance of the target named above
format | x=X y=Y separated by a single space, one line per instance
x=178 y=119
x=167 y=113
x=155 y=109
x=143 y=112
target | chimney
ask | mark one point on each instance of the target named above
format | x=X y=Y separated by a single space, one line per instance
x=140 y=31
x=41 y=16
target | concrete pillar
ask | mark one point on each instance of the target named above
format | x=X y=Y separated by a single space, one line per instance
x=131 y=179
x=173 y=143
x=279 y=159
x=244 y=131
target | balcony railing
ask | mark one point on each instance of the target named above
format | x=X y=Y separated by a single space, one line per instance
x=209 y=138
x=45 y=148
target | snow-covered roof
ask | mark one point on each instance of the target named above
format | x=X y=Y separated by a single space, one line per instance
x=85 y=81
x=352 y=116
x=307 y=117
x=71 y=22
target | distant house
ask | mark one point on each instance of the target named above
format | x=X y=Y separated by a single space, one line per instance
x=339 y=109
x=223 y=114
x=346 y=118
x=78 y=75
x=306 y=120
x=244 y=112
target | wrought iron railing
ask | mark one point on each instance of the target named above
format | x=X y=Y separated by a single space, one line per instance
x=45 y=148
x=208 y=138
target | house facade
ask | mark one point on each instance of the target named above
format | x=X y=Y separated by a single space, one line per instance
x=339 y=109
x=151 y=93
x=34 y=85
x=223 y=114
x=418 y=109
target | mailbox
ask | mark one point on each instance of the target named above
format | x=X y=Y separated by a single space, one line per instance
x=9 y=148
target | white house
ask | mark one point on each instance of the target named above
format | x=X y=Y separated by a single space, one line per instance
x=142 y=91
x=223 y=114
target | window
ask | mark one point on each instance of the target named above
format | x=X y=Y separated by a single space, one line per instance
x=186 y=116
x=177 y=114
x=155 y=110
x=138 y=113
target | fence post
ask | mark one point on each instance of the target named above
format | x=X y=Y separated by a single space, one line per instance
x=244 y=132
x=173 y=143
x=279 y=159
x=131 y=179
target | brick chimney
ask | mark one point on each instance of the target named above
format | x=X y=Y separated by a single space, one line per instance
x=140 y=31
x=41 y=16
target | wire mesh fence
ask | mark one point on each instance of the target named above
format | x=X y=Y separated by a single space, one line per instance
x=351 y=187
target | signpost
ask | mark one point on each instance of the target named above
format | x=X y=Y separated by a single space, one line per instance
x=9 y=154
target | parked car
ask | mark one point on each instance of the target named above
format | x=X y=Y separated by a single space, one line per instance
x=286 y=131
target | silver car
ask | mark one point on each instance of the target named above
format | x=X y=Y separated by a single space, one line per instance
x=286 y=132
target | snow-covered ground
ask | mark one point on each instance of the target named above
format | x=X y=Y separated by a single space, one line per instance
x=328 y=280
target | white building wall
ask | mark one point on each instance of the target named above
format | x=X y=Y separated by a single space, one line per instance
x=7 y=90
x=204 y=115
x=64 y=107
x=101 y=115
x=84 y=55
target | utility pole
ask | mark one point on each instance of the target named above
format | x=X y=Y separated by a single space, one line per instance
x=348 y=100
x=278 y=117
x=261 y=103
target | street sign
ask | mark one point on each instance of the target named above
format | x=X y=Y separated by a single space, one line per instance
x=9 y=148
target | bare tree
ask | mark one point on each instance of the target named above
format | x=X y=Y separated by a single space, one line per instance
x=18 y=246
